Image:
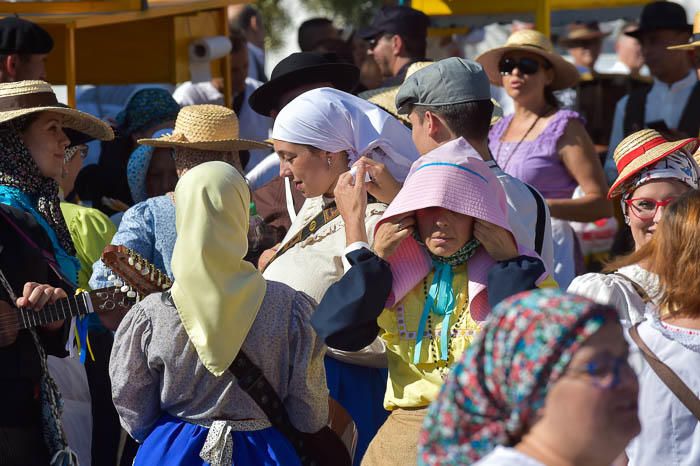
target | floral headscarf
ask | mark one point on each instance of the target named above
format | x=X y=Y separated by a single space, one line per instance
x=492 y=394
x=145 y=108
x=19 y=170
x=137 y=168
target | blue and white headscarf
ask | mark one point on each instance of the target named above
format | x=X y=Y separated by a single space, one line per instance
x=137 y=168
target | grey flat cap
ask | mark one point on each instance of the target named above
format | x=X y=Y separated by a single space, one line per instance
x=449 y=81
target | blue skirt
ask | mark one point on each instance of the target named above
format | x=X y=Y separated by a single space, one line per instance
x=174 y=442
x=360 y=390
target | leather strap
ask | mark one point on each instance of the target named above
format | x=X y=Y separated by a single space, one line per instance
x=541 y=219
x=667 y=376
x=637 y=287
x=634 y=110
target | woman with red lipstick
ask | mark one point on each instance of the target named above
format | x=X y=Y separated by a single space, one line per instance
x=543 y=145
x=653 y=172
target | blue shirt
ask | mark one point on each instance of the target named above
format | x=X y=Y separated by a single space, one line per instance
x=149 y=229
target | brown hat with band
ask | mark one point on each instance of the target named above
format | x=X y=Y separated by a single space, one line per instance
x=22 y=98
x=565 y=74
x=582 y=32
x=205 y=127
x=641 y=149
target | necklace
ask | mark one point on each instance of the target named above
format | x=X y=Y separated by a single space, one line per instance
x=515 y=149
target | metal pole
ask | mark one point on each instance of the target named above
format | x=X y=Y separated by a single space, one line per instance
x=543 y=17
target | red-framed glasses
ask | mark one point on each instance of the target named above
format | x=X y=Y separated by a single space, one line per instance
x=645 y=208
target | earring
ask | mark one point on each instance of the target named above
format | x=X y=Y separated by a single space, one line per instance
x=329 y=162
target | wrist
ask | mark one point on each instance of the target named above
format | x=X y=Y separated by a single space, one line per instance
x=354 y=233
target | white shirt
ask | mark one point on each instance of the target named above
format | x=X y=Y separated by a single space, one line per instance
x=522 y=215
x=670 y=433
x=663 y=102
x=506 y=456
x=614 y=290
x=253 y=126
x=261 y=174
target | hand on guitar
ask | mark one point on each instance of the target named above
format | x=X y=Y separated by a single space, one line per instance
x=35 y=296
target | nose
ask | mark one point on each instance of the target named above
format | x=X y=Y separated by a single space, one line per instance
x=659 y=213
x=285 y=171
x=63 y=139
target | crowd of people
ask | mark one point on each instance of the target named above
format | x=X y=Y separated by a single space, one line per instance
x=370 y=258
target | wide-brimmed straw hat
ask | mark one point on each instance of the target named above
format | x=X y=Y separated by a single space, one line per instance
x=581 y=32
x=22 y=98
x=641 y=149
x=694 y=39
x=205 y=127
x=565 y=74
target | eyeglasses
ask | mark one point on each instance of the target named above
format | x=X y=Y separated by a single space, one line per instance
x=645 y=208
x=607 y=372
x=372 y=43
x=525 y=65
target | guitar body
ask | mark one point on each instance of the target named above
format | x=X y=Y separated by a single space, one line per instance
x=9 y=328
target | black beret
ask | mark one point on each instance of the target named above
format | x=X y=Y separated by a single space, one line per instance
x=21 y=36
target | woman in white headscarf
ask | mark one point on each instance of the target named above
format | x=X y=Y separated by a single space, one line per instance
x=318 y=136
x=169 y=367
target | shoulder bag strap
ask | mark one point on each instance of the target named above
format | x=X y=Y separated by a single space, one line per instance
x=667 y=376
x=635 y=109
x=690 y=119
x=323 y=217
x=637 y=287
x=541 y=219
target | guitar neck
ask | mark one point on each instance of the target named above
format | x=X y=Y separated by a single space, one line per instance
x=65 y=308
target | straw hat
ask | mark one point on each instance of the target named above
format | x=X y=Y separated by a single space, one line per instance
x=641 y=149
x=565 y=74
x=205 y=127
x=694 y=39
x=26 y=97
x=385 y=97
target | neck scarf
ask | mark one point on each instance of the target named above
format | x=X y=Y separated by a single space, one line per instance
x=493 y=393
x=19 y=170
x=336 y=121
x=217 y=293
x=440 y=299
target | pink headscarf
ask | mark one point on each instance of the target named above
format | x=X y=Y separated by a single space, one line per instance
x=454 y=177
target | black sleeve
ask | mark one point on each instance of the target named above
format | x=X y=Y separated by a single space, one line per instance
x=513 y=276
x=346 y=317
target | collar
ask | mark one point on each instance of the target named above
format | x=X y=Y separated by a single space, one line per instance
x=690 y=79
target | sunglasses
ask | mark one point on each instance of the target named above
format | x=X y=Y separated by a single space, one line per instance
x=372 y=43
x=525 y=65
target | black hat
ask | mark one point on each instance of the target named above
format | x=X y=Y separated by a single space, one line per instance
x=20 y=36
x=400 y=20
x=300 y=69
x=661 y=15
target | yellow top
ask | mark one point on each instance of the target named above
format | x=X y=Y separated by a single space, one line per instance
x=416 y=386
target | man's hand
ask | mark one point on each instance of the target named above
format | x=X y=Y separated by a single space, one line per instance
x=390 y=234
x=35 y=296
x=383 y=185
x=498 y=242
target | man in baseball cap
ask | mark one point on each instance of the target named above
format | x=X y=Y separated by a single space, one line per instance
x=24 y=47
x=397 y=38
x=451 y=99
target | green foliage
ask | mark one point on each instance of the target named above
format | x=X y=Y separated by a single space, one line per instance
x=276 y=20
x=346 y=12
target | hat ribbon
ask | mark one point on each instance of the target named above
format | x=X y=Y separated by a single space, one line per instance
x=25 y=101
x=178 y=137
x=630 y=156
x=441 y=301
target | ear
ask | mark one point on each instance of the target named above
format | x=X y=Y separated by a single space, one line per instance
x=433 y=122
x=10 y=65
x=549 y=76
x=397 y=45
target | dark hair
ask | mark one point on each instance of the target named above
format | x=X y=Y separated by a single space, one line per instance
x=339 y=47
x=22 y=123
x=307 y=34
x=245 y=17
x=550 y=97
x=470 y=120
x=238 y=40
x=415 y=46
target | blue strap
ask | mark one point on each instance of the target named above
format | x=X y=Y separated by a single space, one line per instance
x=441 y=301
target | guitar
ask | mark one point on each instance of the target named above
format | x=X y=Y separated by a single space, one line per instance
x=132 y=271
x=12 y=319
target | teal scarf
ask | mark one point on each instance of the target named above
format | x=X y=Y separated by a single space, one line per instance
x=440 y=299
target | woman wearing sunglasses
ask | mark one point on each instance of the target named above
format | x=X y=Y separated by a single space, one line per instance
x=543 y=145
x=546 y=382
x=653 y=172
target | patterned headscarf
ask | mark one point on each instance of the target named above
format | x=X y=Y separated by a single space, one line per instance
x=493 y=393
x=675 y=166
x=19 y=170
x=145 y=108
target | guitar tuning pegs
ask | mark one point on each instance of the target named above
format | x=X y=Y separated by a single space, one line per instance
x=131 y=294
x=164 y=286
x=131 y=260
x=124 y=289
x=138 y=266
x=118 y=283
x=111 y=277
x=144 y=272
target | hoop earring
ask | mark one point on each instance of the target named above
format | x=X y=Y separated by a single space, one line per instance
x=329 y=162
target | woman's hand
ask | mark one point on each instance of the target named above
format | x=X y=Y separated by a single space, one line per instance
x=35 y=296
x=383 y=185
x=351 y=201
x=390 y=234
x=266 y=256
x=497 y=241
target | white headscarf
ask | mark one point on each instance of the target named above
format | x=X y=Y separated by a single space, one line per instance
x=335 y=121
